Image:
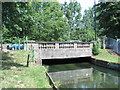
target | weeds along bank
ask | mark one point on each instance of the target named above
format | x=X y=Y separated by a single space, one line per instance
x=15 y=74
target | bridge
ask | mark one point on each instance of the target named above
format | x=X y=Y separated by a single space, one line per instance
x=60 y=50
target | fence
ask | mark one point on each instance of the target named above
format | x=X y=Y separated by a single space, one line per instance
x=113 y=44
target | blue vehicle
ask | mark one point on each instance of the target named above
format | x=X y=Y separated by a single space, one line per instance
x=15 y=46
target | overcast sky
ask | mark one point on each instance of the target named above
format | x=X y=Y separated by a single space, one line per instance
x=85 y=4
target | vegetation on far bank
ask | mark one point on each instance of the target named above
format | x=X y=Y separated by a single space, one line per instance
x=106 y=56
x=15 y=74
x=48 y=21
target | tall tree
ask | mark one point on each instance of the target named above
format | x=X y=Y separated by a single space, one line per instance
x=108 y=15
x=50 y=25
x=15 y=18
x=41 y=21
x=88 y=22
x=73 y=14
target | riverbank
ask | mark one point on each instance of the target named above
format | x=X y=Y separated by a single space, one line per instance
x=15 y=74
x=105 y=55
x=107 y=59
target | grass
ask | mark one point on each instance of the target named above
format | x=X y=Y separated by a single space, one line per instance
x=15 y=74
x=106 y=56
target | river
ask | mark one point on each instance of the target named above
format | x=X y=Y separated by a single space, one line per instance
x=83 y=75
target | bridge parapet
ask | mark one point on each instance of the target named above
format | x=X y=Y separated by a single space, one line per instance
x=56 y=45
x=59 y=45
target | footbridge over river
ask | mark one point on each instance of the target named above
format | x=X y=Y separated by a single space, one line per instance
x=60 y=50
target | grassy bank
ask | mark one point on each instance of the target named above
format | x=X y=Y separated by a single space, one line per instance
x=15 y=74
x=106 y=56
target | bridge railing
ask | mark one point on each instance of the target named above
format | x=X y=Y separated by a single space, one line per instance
x=46 y=45
x=50 y=45
x=66 y=45
x=83 y=45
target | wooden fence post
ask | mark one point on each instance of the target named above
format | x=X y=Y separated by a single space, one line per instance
x=28 y=60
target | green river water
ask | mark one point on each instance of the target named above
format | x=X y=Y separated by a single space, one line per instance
x=75 y=76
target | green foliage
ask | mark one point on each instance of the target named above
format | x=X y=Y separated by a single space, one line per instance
x=45 y=21
x=108 y=16
x=88 y=21
x=51 y=24
x=37 y=20
x=95 y=49
x=15 y=20
x=105 y=55
x=73 y=15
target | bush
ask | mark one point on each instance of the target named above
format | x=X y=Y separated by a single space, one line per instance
x=95 y=49
x=13 y=40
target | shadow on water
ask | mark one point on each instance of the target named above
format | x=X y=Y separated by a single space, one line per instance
x=65 y=64
x=65 y=61
x=76 y=63
x=8 y=61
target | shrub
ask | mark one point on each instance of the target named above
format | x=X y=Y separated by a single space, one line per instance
x=95 y=49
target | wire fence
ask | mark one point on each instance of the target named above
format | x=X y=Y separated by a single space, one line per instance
x=113 y=44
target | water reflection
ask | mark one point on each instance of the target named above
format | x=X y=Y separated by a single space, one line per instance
x=84 y=75
x=72 y=76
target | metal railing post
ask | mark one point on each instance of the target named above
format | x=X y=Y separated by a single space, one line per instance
x=32 y=54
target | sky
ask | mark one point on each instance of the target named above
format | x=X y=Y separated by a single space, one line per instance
x=85 y=4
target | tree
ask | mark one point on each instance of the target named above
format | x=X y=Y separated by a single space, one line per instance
x=50 y=25
x=40 y=21
x=88 y=22
x=73 y=15
x=108 y=16
x=15 y=16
